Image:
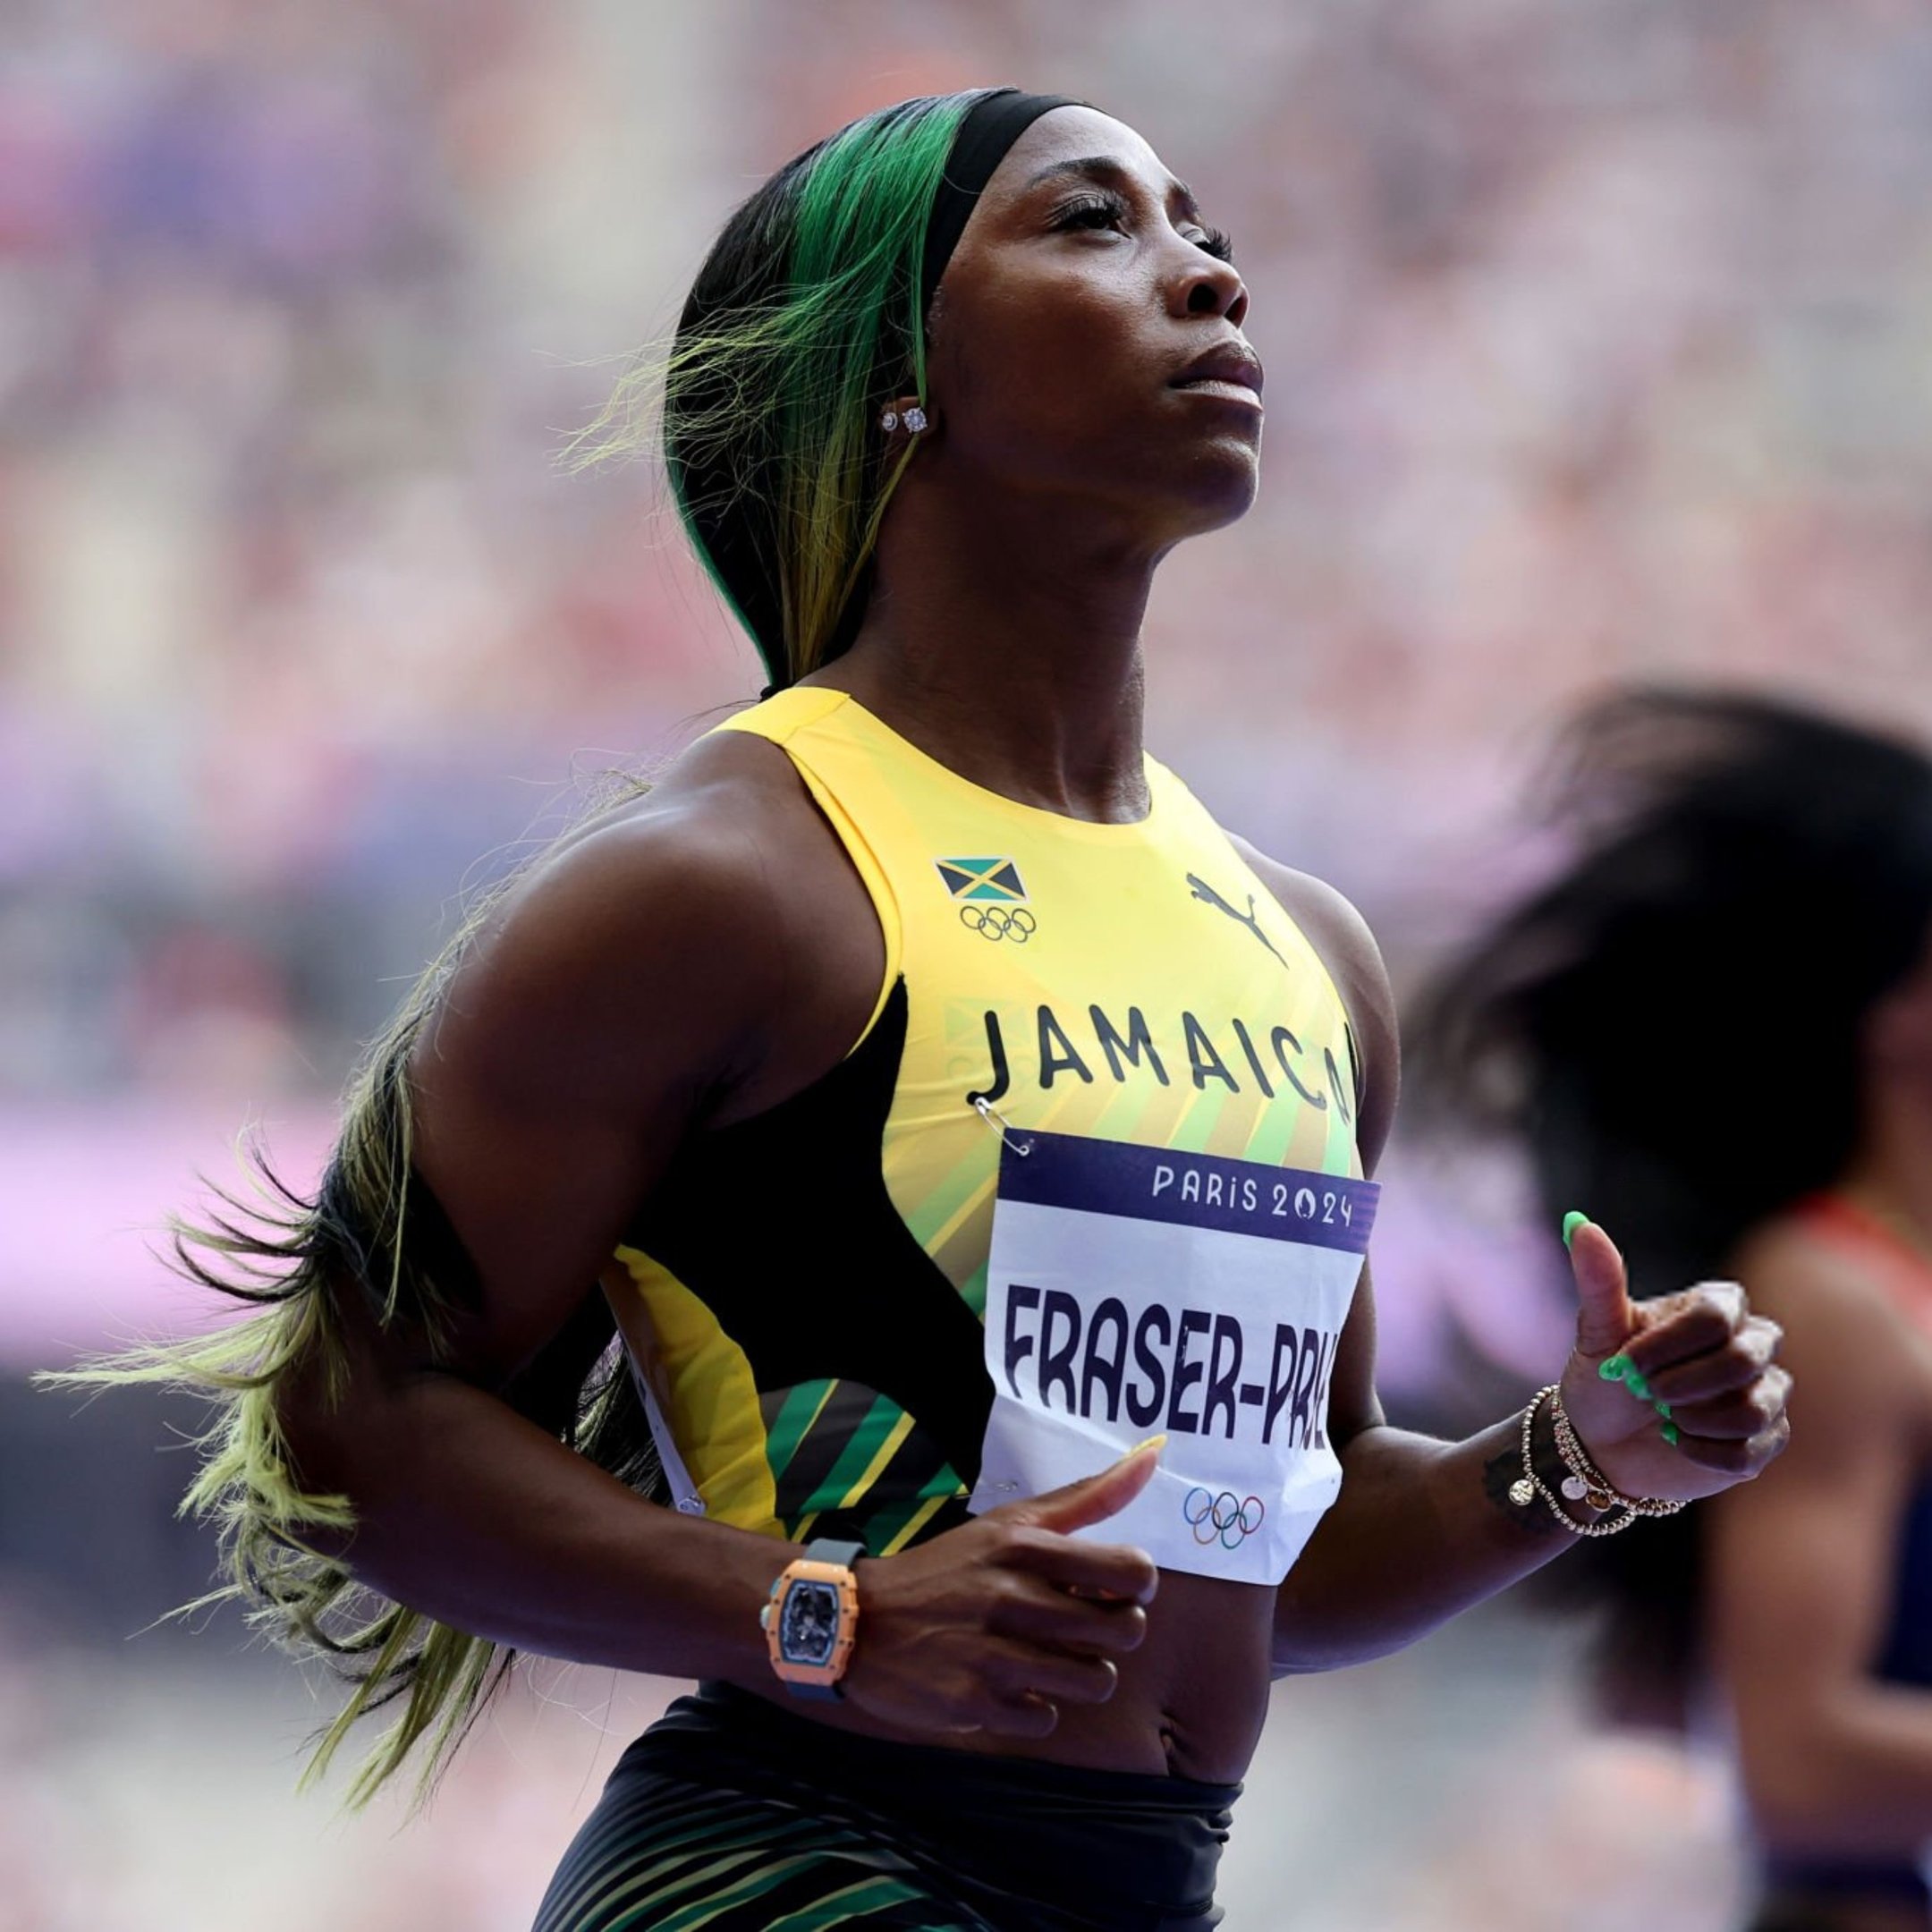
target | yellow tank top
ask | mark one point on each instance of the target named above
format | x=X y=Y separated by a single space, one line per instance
x=814 y=1279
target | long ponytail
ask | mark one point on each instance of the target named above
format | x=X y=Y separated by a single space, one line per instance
x=372 y=1231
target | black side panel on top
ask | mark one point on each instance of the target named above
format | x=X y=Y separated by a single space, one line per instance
x=783 y=1225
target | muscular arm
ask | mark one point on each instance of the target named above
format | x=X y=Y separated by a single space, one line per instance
x=1421 y=1528
x=1834 y=1759
x=619 y=1001
x=666 y=975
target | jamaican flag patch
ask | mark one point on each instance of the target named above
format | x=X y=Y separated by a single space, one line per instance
x=982 y=881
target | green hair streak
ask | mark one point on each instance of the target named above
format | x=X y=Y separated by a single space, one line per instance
x=813 y=318
x=863 y=214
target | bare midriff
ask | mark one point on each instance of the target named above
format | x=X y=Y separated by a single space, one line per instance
x=1190 y=1702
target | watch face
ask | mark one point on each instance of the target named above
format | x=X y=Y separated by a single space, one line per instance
x=807 y=1626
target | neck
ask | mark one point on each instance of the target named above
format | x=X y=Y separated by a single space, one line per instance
x=1892 y=1175
x=1008 y=650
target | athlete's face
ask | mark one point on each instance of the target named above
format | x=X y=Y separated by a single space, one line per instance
x=1086 y=342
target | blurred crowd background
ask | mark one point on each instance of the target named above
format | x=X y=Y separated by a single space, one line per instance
x=1598 y=340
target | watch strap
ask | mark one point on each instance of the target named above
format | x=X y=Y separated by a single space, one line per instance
x=830 y=1549
x=814 y=1693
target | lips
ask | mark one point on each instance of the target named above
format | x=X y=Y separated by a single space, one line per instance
x=1230 y=364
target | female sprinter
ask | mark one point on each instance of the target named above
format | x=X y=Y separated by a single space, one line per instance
x=1715 y=1025
x=939 y=1105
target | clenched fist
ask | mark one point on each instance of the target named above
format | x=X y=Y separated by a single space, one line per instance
x=1701 y=1353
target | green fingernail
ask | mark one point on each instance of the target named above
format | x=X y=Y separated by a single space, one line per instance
x=1621 y=1368
x=1663 y=1409
x=1670 y=1434
x=1571 y=1222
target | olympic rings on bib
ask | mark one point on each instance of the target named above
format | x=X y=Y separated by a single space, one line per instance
x=1227 y=1517
x=999 y=922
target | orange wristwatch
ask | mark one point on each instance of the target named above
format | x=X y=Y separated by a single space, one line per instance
x=812 y=1617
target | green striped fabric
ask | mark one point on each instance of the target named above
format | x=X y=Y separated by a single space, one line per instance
x=675 y=1858
x=731 y=1814
x=847 y=1461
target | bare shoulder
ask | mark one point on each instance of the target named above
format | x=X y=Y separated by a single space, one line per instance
x=688 y=926
x=1347 y=949
x=700 y=853
x=1850 y=1348
x=1813 y=1286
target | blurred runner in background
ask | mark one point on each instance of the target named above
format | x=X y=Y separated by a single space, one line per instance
x=1714 y=1028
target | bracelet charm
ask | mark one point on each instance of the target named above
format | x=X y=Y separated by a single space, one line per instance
x=1582 y=1482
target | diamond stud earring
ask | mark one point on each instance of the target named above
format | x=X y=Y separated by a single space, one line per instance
x=915 y=419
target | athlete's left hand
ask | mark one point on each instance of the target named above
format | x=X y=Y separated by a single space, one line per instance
x=1701 y=1352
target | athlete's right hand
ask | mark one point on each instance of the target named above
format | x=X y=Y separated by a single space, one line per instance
x=994 y=1625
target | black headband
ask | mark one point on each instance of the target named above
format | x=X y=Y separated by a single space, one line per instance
x=993 y=124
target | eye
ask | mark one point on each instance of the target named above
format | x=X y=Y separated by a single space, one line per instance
x=1104 y=211
x=1099 y=211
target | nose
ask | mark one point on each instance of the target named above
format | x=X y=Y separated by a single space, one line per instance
x=1206 y=286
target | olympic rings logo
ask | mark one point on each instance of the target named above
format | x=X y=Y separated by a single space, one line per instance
x=1226 y=1518
x=997 y=922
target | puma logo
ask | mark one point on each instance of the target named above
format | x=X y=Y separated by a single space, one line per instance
x=1208 y=895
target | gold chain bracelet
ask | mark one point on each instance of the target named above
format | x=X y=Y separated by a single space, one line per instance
x=1585 y=1481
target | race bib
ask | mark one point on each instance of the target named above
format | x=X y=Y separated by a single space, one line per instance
x=1132 y=1289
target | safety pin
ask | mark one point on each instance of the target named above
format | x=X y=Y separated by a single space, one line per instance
x=999 y=1124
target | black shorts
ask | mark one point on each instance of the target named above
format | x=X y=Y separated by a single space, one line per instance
x=731 y=1815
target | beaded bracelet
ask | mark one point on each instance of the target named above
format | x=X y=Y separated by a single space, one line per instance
x=1587 y=1482
x=1529 y=1485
